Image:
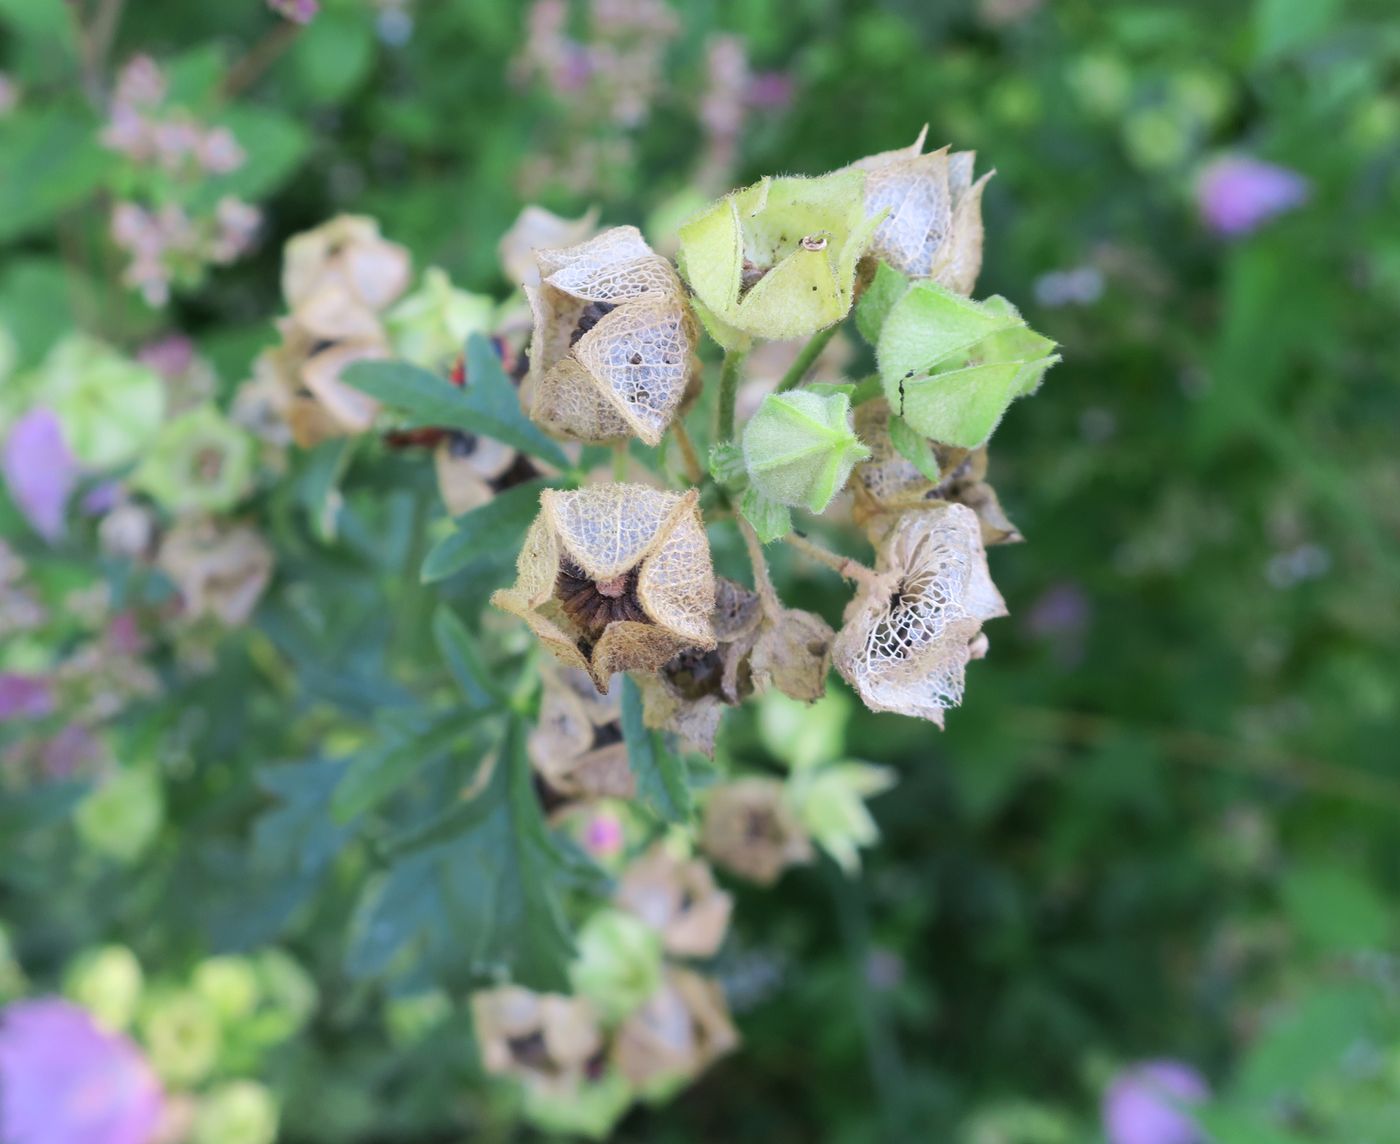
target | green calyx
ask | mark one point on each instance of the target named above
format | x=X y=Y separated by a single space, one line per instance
x=200 y=461
x=799 y=448
x=951 y=366
x=777 y=259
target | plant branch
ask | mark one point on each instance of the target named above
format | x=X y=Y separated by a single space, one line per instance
x=762 y=581
x=261 y=56
x=806 y=357
x=841 y=565
x=728 y=393
x=694 y=470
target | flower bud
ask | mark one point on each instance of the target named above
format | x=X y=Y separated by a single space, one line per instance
x=931 y=213
x=431 y=325
x=618 y=964
x=107 y=983
x=111 y=407
x=778 y=259
x=238 y=1112
x=200 y=461
x=120 y=818
x=615 y=578
x=750 y=829
x=181 y=1032
x=679 y=900
x=951 y=366
x=229 y=984
x=799 y=448
x=910 y=631
x=612 y=353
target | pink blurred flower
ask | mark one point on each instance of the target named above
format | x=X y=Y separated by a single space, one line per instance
x=170 y=356
x=603 y=835
x=771 y=90
x=24 y=696
x=219 y=152
x=65 y=1080
x=1145 y=1104
x=40 y=471
x=236 y=224
x=72 y=750
x=1238 y=194
x=297 y=11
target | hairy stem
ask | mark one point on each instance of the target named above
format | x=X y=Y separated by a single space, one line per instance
x=259 y=58
x=694 y=470
x=762 y=581
x=619 y=465
x=809 y=354
x=841 y=565
x=728 y=393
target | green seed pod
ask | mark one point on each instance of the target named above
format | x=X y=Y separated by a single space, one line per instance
x=799 y=448
x=777 y=259
x=951 y=366
x=619 y=962
x=200 y=461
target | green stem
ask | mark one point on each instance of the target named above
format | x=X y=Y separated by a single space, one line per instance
x=728 y=393
x=619 y=465
x=803 y=362
x=867 y=389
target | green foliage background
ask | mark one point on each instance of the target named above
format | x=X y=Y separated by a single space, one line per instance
x=1166 y=830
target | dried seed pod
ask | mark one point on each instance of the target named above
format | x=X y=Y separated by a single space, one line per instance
x=750 y=829
x=613 y=349
x=576 y=748
x=615 y=578
x=221 y=570
x=792 y=654
x=889 y=484
x=689 y=694
x=547 y=1041
x=932 y=213
x=349 y=255
x=909 y=631
x=777 y=259
x=678 y=899
x=675 y=1035
x=538 y=229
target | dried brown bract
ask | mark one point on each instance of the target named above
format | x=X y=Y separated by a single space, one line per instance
x=576 y=748
x=677 y=1033
x=750 y=829
x=220 y=569
x=614 y=340
x=679 y=899
x=933 y=228
x=615 y=578
x=337 y=280
x=549 y=1042
x=690 y=692
x=911 y=629
x=889 y=484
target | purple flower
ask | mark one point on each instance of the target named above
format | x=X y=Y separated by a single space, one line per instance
x=63 y=1079
x=1145 y=1104
x=40 y=470
x=770 y=90
x=24 y=696
x=297 y=11
x=72 y=750
x=1237 y=194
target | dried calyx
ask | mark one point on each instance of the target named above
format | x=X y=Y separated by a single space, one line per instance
x=615 y=578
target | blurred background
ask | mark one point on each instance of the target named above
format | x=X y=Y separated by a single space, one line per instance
x=1162 y=825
